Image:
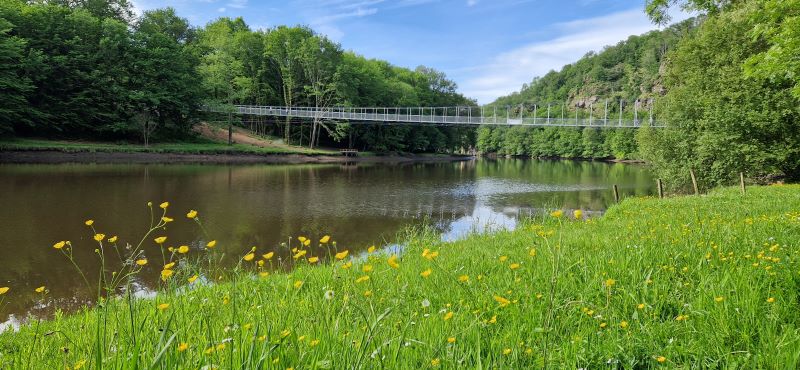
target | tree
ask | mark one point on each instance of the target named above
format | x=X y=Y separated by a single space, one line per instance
x=320 y=58
x=779 y=25
x=281 y=48
x=14 y=84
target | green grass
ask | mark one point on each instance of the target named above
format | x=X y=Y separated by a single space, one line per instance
x=201 y=147
x=702 y=282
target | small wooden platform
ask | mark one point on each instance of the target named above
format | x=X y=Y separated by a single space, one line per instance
x=349 y=152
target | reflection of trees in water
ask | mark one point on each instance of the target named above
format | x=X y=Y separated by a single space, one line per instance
x=261 y=205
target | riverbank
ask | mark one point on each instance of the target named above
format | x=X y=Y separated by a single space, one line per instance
x=679 y=282
x=45 y=151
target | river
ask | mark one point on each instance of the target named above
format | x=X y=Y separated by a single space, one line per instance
x=263 y=205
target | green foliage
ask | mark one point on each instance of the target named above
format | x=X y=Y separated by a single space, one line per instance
x=723 y=121
x=779 y=24
x=14 y=84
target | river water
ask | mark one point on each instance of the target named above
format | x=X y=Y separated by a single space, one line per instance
x=264 y=205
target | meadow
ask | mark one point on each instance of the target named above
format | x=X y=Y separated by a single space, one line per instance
x=688 y=282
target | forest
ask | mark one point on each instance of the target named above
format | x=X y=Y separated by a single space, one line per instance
x=92 y=70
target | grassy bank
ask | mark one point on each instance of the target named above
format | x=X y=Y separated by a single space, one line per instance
x=706 y=281
x=202 y=147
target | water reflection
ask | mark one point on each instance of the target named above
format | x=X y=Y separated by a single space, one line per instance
x=265 y=205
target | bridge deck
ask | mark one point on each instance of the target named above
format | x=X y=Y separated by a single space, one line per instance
x=431 y=116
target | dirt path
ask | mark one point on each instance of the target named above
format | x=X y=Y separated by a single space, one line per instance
x=243 y=136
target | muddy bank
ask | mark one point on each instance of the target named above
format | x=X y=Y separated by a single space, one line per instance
x=52 y=156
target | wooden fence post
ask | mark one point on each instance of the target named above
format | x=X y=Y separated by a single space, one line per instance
x=741 y=182
x=694 y=182
x=660 y=188
x=616 y=194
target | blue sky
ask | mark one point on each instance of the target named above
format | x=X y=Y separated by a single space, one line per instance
x=489 y=47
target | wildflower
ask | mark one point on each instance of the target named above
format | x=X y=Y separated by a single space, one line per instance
x=209 y=350
x=610 y=282
x=141 y=262
x=769 y=300
x=164 y=205
x=681 y=318
x=300 y=254
x=307 y=242
x=392 y=261
x=313 y=260
x=718 y=299
x=451 y=340
x=603 y=325
x=514 y=266
x=167 y=219
x=169 y=265
x=99 y=237
x=463 y=278
x=166 y=274
x=220 y=346
x=249 y=257
x=301 y=239
x=268 y=255
x=507 y=351
x=532 y=252
x=448 y=316
x=79 y=365
x=661 y=359
x=40 y=289
x=285 y=333
x=426 y=273
x=59 y=245
x=640 y=306
x=503 y=302
x=211 y=244
x=371 y=249
x=313 y=343
x=341 y=255
x=367 y=293
x=4 y=290
x=503 y=258
x=430 y=256
x=263 y=274
x=192 y=214
x=325 y=239
x=493 y=319
x=362 y=279
x=163 y=306
x=329 y=294
x=89 y=222
x=112 y=239
x=183 y=249
x=160 y=239
x=623 y=324
x=435 y=362
x=366 y=268
x=578 y=214
x=298 y=284
x=557 y=213
x=182 y=347
x=347 y=265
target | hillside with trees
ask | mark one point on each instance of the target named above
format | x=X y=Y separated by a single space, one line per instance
x=91 y=70
x=629 y=71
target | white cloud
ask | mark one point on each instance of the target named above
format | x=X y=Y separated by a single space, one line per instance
x=221 y=10
x=237 y=4
x=506 y=72
x=472 y=2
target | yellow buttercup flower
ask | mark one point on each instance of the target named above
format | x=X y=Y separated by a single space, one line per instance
x=503 y=258
x=164 y=205
x=112 y=239
x=166 y=274
x=325 y=239
x=40 y=289
x=285 y=333
x=371 y=249
x=313 y=260
x=578 y=214
x=661 y=359
x=514 y=266
x=169 y=265
x=367 y=293
x=300 y=254
x=532 y=252
x=341 y=255
x=307 y=242
x=249 y=257
x=623 y=324
x=268 y=255
x=366 y=268
x=192 y=279
x=770 y=300
x=298 y=284
x=347 y=265
x=160 y=239
x=141 y=262
x=4 y=290
x=362 y=279
x=89 y=222
x=99 y=237
x=557 y=213
x=163 y=306
x=640 y=306
x=435 y=362
x=507 y=351
x=503 y=302
x=183 y=249
x=718 y=299
x=610 y=282
x=426 y=273
x=211 y=244
x=59 y=245
x=302 y=239
x=451 y=340
x=182 y=347
x=392 y=261
x=166 y=219
x=448 y=316
x=463 y=278
x=191 y=214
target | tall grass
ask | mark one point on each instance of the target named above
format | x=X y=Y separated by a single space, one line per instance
x=706 y=281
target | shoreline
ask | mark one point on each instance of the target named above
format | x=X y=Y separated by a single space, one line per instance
x=58 y=157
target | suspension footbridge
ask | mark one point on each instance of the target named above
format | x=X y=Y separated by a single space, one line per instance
x=461 y=116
